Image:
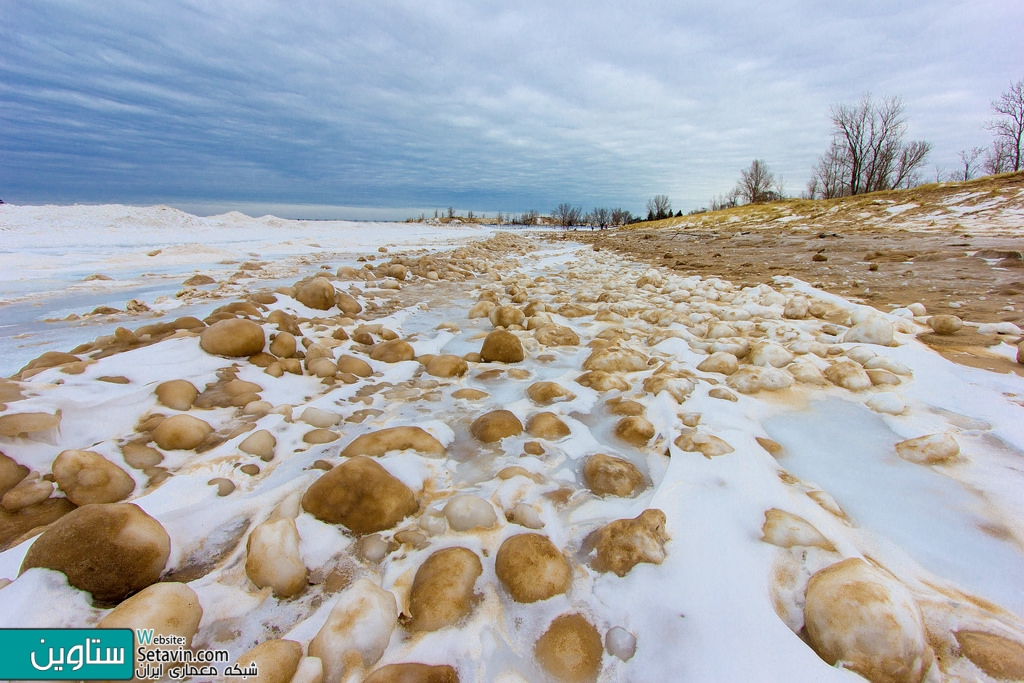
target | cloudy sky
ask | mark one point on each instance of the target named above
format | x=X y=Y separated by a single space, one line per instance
x=390 y=108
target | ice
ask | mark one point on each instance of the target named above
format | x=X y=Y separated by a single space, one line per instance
x=850 y=452
x=705 y=613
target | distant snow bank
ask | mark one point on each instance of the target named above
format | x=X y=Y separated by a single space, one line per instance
x=120 y=225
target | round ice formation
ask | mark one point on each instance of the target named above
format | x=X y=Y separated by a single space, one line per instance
x=465 y=512
x=863 y=618
x=620 y=643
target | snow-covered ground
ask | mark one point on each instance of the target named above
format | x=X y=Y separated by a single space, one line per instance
x=50 y=257
x=762 y=422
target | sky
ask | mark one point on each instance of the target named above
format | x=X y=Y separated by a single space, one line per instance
x=389 y=109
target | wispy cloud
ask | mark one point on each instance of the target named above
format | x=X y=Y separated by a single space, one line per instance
x=481 y=105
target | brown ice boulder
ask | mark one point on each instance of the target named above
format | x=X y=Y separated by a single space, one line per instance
x=999 y=657
x=546 y=393
x=49 y=359
x=556 y=335
x=721 y=361
x=355 y=366
x=495 y=426
x=867 y=621
x=348 y=304
x=286 y=322
x=470 y=394
x=318 y=293
x=599 y=380
x=447 y=365
x=382 y=441
x=396 y=270
x=786 y=530
x=883 y=378
x=260 y=443
x=616 y=359
x=111 y=550
x=321 y=367
x=181 y=432
x=797 y=308
x=752 y=378
x=679 y=384
x=505 y=316
x=276 y=660
x=10 y=473
x=848 y=375
x=234 y=337
x=272 y=557
x=177 y=394
x=945 y=324
x=319 y=436
x=570 y=650
x=318 y=417
x=624 y=543
x=929 y=449
x=466 y=511
x=874 y=330
x=361 y=495
x=769 y=353
x=547 y=426
x=503 y=347
x=26 y=493
x=169 y=608
x=707 y=445
x=357 y=630
x=19 y=424
x=481 y=309
x=606 y=475
x=636 y=430
x=87 y=477
x=284 y=345
x=531 y=568
x=442 y=591
x=807 y=372
x=392 y=351
x=413 y=672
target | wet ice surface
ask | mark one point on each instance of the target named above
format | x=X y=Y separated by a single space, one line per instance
x=850 y=452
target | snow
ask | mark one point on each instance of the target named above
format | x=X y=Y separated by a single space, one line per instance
x=706 y=613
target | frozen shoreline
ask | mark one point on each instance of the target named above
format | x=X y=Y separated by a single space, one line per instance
x=721 y=588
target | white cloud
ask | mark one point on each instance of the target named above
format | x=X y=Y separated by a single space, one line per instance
x=479 y=104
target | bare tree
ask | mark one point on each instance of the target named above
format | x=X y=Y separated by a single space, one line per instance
x=867 y=152
x=601 y=217
x=621 y=217
x=725 y=201
x=968 y=163
x=1009 y=124
x=567 y=215
x=998 y=158
x=757 y=183
x=827 y=175
x=659 y=206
